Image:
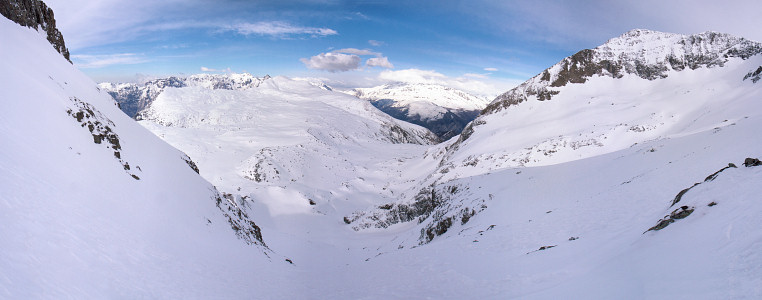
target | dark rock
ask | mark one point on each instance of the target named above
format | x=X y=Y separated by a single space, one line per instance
x=751 y=162
x=681 y=213
x=190 y=163
x=467 y=213
x=754 y=75
x=440 y=228
x=662 y=224
x=677 y=214
x=707 y=179
x=239 y=220
x=35 y=14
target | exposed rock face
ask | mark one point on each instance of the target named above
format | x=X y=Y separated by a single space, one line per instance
x=433 y=208
x=647 y=54
x=35 y=14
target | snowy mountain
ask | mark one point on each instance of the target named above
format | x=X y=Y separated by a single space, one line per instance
x=94 y=205
x=134 y=98
x=594 y=175
x=443 y=110
x=644 y=53
x=625 y=171
x=284 y=135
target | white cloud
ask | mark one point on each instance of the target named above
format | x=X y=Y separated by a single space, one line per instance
x=205 y=69
x=413 y=76
x=279 y=29
x=346 y=59
x=375 y=43
x=379 y=62
x=356 y=51
x=490 y=69
x=360 y=15
x=333 y=62
x=100 y=61
x=476 y=75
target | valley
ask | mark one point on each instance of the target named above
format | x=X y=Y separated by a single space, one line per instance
x=629 y=170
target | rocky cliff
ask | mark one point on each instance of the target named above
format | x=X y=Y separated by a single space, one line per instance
x=644 y=53
x=35 y=14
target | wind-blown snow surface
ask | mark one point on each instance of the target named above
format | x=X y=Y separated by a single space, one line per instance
x=81 y=221
x=78 y=225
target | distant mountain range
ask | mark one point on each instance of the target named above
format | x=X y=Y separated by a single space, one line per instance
x=135 y=97
x=443 y=110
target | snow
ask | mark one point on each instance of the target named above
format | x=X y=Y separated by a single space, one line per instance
x=429 y=101
x=575 y=172
x=75 y=223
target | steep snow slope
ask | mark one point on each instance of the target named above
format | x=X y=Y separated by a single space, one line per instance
x=134 y=98
x=95 y=206
x=443 y=110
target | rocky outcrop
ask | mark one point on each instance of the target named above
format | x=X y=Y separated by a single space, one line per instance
x=436 y=208
x=35 y=14
x=102 y=130
x=686 y=210
x=234 y=208
x=647 y=54
x=754 y=75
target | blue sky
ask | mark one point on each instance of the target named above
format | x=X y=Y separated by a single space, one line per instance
x=480 y=46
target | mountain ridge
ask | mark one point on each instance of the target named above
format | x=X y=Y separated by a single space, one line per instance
x=645 y=53
x=133 y=98
x=35 y=14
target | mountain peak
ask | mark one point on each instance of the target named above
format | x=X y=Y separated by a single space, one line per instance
x=645 y=53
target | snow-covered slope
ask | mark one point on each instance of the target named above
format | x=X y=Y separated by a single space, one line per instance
x=662 y=85
x=134 y=98
x=559 y=195
x=536 y=200
x=443 y=110
x=285 y=137
x=95 y=206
